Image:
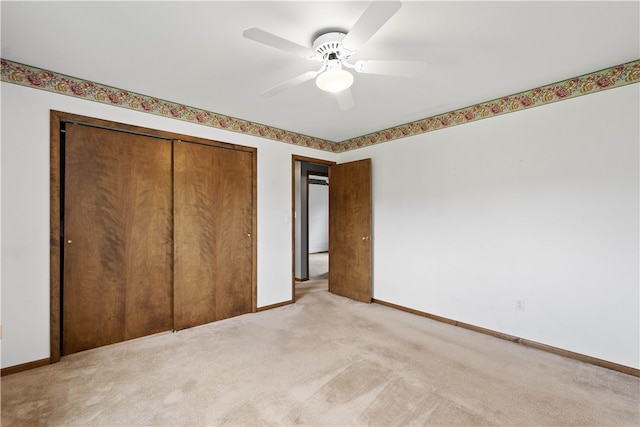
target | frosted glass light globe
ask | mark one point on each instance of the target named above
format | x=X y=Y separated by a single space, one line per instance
x=334 y=80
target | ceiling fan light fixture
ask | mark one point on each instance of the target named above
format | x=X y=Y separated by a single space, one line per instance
x=334 y=80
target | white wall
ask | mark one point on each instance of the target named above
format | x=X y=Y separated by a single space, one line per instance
x=539 y=205
x=25 y=209
x=318 y=217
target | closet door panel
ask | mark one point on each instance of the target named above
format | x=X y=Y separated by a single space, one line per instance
x=194 y=236
x=149 y=298
x=234 y=259
x=212 y=233
x=117 y=282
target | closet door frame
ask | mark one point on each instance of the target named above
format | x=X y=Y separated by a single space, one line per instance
x=56 y=163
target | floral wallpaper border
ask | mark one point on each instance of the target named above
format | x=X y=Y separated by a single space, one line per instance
x=37 y=78
x=619 y=75
x=25 y=75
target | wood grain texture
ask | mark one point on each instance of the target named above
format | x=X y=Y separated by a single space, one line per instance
x=118 y=217
x=350 y=230
x=213 y=226
x=134 y=305
x=54 y=236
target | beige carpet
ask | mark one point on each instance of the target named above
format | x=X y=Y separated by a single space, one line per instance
x=325 y=360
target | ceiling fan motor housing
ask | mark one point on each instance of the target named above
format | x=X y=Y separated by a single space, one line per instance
x=329 y=47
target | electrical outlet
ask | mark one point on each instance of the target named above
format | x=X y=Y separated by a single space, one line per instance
x=520 y=305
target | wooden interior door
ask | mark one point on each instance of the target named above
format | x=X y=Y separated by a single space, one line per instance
x=213 y=226
x=118 y=246
x=350 y=230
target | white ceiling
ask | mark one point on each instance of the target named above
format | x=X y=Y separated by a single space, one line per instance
x=194 y=53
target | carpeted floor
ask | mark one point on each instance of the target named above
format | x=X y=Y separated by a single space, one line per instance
x=325 y=360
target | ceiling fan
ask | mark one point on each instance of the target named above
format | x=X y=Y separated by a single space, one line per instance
x=334 y=49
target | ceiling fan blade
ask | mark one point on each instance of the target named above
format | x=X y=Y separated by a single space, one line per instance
x=345 y=99
x=290 y=83
x=278 y=42
x=376 y=15
x=391 y=68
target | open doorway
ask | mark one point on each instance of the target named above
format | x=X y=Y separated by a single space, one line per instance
x=318 y=226
x=310 y=224
x=350 y=226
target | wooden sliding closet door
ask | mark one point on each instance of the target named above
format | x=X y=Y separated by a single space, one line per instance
x=213 y=221
x=118 y=246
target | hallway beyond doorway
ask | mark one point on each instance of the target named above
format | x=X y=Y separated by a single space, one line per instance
x=318 y=275
x=319 y=266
